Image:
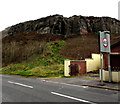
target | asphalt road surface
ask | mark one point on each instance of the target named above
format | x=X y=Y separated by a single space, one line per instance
x=21 y=89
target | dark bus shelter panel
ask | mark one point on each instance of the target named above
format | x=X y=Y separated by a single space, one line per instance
x=115 y=61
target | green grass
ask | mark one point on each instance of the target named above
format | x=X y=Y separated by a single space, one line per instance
x=47 y=64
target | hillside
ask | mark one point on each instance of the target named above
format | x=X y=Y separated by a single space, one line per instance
x=75 y=37
x=79 y=32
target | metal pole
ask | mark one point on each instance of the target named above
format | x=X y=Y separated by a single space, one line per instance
x=101 y=69
x=109 y=68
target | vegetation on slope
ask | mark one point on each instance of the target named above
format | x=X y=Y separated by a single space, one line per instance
x=21 y=46
x=47 y=64
x=80 y=47
x=33 y=54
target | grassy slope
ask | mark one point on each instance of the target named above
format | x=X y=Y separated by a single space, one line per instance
x=33 y=54
x=47 y=64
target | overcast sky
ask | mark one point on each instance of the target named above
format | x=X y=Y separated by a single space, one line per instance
x=16 y=11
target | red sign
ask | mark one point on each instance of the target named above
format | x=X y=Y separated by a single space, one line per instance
x=105 y=42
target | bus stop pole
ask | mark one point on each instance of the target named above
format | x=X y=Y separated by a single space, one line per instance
x=109 y=68
x=101 y=68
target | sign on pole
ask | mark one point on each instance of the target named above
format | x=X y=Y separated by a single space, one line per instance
x=104 y=47
x=104 y=41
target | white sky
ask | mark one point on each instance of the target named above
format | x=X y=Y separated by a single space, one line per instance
x=16 y=11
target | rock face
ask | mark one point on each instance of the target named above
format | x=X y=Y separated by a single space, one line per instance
x=57 y=24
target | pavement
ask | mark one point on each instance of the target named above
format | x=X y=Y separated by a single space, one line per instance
x=89 y=80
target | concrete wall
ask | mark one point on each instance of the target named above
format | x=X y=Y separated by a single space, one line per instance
x=115 y=76
x=87 y=65
x=93 y=63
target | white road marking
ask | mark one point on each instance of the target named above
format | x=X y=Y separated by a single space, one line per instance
x=68 y=84
x=20 y=84
x=73 y=98
x=85 y=86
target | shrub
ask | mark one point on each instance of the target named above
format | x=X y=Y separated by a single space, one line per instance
x=15 y=52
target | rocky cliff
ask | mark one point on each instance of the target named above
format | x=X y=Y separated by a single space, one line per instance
x=24 y=40
x=57 y=24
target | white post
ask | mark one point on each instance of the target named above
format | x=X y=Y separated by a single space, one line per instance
x=109 y=68
x=66 y=67
x=101 y=69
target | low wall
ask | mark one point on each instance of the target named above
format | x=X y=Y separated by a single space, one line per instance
x=115 y=76
x=81 y=64
x=87 y=65
x=93 y=63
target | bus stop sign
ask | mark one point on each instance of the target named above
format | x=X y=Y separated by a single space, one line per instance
x=104 y=41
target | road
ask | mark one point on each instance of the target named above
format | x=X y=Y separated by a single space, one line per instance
x=21 y=89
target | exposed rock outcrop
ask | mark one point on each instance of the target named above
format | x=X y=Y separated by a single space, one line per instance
x=57 y=24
